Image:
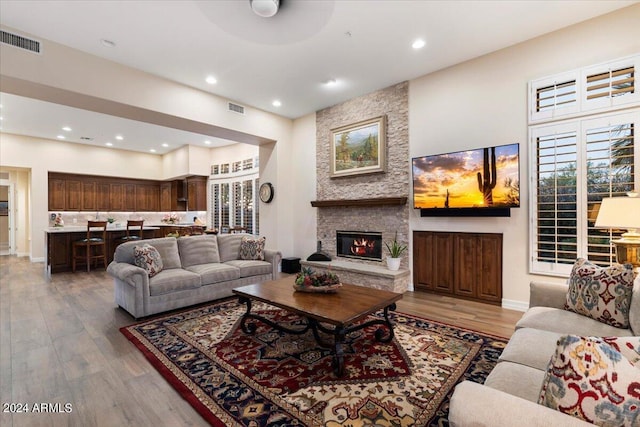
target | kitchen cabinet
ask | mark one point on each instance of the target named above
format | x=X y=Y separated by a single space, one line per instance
x=116 y=197
x=197 y=193
x=57 y=194
x=147 y=198
x=103 y=196
x=89 y=196
x=72 y=192
x=74 y=195
x=466 y=265
x=129 y=197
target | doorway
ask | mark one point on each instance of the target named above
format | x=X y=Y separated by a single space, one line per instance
x=6 y=248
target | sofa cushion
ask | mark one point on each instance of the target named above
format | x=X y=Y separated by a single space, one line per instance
x=166 y=246
x=250 y=268
x=148 y=257
x=214 y=272
x=520 y=348
x=229 y=246
x=516 y=379
x=252 y=249
x=196 y=250
x=591 y=379
x=567 y=322
x=602 y=293
x=173 y=280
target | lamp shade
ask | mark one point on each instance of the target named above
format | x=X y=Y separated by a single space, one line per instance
x=619 y=212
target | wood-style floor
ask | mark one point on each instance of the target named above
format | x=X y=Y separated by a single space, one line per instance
x=60 y=343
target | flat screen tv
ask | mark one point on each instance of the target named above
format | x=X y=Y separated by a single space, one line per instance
x=483 y=181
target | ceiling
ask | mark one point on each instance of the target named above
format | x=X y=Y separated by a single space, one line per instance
x=361 y=45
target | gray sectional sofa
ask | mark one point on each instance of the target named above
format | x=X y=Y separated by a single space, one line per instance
x=196 y=269
x=510 y=393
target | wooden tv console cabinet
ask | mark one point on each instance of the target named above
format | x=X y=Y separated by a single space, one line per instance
x=466 y=265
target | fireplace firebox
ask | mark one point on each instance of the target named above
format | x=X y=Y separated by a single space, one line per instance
x=359 y=244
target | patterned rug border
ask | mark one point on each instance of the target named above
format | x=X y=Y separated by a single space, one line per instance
x=191 y=397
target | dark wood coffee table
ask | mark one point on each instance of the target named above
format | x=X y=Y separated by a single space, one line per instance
x=338 y=310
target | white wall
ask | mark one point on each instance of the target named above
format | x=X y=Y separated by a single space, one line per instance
x=483 y=102
x=232 y=153
x=303 y=177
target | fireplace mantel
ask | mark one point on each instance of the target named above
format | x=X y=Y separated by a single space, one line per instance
x=376 y=201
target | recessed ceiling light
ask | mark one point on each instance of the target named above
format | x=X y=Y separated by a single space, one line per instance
x=119 y=137
x=207 y=142
x=152 y=150
x=330 y=82
x=66 y=129
x=276 y=103
x=109 y=144
x=165 y=145
x=211 y=80
x=108 y=43
x=60 y=137
x=418 y=44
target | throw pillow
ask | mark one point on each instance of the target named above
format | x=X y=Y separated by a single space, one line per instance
x=148 y=257
x=592 y=379
x=602 y=293
x=252 y=249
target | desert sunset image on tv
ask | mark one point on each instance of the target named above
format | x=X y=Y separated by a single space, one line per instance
x=481 y=178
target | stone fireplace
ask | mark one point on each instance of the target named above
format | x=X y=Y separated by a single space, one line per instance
x=376 y=201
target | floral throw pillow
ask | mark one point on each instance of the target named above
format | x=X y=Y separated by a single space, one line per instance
x=252 y=249
x=148 y=257
x=602 y=293
x=594 y=379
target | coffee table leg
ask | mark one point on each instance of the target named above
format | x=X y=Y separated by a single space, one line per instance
x=247 y=328
x=388 y=324
x=338 y=356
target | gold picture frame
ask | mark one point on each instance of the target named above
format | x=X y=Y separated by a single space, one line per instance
x=359 y=148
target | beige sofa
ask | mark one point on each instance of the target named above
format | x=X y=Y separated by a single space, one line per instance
x=510 y=393
x=196 y=269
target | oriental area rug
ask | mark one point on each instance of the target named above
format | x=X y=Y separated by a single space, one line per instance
x=272 y=378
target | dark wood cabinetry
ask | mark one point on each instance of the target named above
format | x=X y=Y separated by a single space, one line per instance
x=89 y=196
x=102 y=196
x=197 y=193
x=74 y=195
x=467 y=265
x=57 y=194
x=70 y=192
x=129 y=195
x=59 y=246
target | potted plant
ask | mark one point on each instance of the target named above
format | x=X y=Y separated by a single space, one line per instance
x=395 y=252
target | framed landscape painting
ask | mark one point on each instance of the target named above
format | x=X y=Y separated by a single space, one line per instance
x=359 y=148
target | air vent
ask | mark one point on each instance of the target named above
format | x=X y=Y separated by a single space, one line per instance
x=86 y=138
x=20 y=42
x=236 y=108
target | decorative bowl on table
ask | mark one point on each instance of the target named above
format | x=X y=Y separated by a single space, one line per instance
x=308 y=281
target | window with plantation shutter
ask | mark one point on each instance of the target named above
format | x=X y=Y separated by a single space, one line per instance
x=553 y=97
x=233 y=203
x=610 y=170
x=600 y=88
x=575 y=164
x=556 y=193
x=556 y=96
x=611 y=83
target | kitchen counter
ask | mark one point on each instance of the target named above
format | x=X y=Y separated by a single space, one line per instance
x=83 y=228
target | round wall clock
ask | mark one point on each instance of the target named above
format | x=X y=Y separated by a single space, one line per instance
x=266 y=192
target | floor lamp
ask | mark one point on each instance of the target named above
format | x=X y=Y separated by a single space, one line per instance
x=623 y=213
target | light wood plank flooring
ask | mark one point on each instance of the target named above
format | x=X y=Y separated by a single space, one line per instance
x=60 y=343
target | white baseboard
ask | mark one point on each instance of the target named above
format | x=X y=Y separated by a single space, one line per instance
x=36 y=259
x=515 y=305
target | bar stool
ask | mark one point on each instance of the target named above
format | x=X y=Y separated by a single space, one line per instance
x=134 y=230
x=95 y=245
